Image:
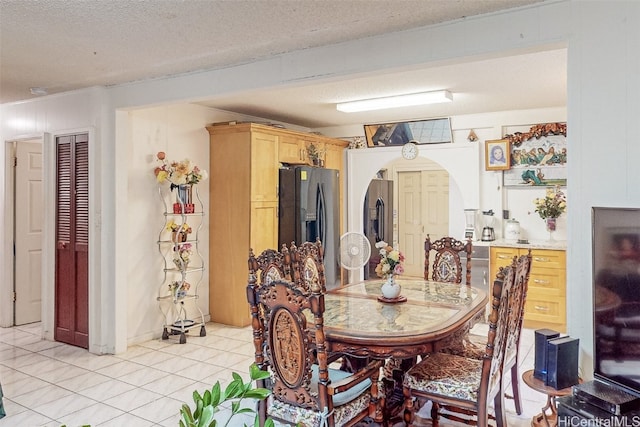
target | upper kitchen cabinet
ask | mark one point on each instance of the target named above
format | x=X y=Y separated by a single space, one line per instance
x=292 y=149
x=296 y=148
x=264 y=167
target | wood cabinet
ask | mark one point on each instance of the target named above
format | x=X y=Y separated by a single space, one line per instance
x=264 y=167
x=546 y=297
x=244 y=163
x=292 y=150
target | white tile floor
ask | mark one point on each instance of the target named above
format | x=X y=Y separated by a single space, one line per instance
x=49 y=384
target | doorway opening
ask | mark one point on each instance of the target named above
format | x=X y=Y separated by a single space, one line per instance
x=24 y=227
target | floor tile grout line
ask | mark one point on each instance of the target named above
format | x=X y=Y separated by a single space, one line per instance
x=162 y=351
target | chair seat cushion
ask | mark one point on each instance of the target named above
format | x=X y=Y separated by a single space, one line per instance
x=446 y=375
x=300 y=416
x=346 y=404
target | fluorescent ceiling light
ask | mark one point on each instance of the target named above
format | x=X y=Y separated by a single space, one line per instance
x=408 y=100
x=40 y=91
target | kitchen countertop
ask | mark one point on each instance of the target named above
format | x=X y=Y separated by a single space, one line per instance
x=532 y=244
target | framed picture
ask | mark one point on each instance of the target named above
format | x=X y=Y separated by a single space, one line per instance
x=497 y=155
x=432 y=131
x=538 y=157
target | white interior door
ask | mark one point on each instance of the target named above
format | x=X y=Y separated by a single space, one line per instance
x=410 y=222
x=423 y=207
x=28 y=232
x=435 y=185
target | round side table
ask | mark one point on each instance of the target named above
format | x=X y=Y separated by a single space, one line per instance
x=545 y=419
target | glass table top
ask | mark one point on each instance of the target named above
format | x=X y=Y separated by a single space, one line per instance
x=430 y=307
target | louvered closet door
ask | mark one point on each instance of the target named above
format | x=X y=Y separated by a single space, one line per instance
x=72 y=240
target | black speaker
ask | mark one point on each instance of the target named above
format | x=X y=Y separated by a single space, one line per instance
x=540 y=347
x=562 y=362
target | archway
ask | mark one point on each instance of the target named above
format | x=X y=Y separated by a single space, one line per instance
x=459 y=160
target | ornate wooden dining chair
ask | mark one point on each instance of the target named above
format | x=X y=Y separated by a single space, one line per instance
x=270 y=265
x=447 y=266
x=473 y=344
x=467 y=383
x=516 y=316
x=447 y=260
x=288 y=322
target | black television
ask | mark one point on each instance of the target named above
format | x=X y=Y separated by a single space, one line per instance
x=616 y=296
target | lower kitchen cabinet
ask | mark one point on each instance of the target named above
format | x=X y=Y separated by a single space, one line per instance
x=546 y=297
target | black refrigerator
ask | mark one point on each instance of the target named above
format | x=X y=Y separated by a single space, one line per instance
x=378 y=220
x=309 y=208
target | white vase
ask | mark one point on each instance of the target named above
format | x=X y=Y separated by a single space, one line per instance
x=390 y=289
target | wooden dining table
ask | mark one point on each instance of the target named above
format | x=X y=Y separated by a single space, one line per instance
x=358 y=324
x=361 y=326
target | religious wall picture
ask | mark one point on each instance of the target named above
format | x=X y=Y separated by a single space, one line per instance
x=538 y=157
x=497 y=155
x=431 y=131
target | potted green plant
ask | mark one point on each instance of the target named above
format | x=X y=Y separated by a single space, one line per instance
x=209 y=403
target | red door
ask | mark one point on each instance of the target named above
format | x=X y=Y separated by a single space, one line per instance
x=72 y=240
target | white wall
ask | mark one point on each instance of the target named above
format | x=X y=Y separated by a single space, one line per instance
x=603 y=109
x=179 y=132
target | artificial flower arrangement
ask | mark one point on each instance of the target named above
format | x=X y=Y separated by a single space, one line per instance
x=390 y=260
x=179 y=289
x=552 y=205
x=175 y=227
x=178 y=172
x=181 y=255
x=178 y=231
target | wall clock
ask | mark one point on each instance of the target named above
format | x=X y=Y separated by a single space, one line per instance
x=410 y=151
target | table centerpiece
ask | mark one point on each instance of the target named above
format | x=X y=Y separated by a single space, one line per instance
x=388 y=268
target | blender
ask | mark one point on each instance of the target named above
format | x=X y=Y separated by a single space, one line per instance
x=488 y=234
x=470 y=226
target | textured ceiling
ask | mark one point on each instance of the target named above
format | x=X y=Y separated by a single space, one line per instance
x=72 y=44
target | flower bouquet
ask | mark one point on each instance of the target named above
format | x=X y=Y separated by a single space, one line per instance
x=182 y=175
x=390 y=261
x=551 y=207
x=179 y=289
x=181 y=256
x=178 y=231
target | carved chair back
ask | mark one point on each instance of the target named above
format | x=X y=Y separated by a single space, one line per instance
x=270 y=265
x=447 y=260
x=516 y=315
x=307 y=265
x=289 y=347
x=503 y=298
x=267 y=267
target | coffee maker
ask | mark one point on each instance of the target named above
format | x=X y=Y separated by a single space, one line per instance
x=488 y=234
